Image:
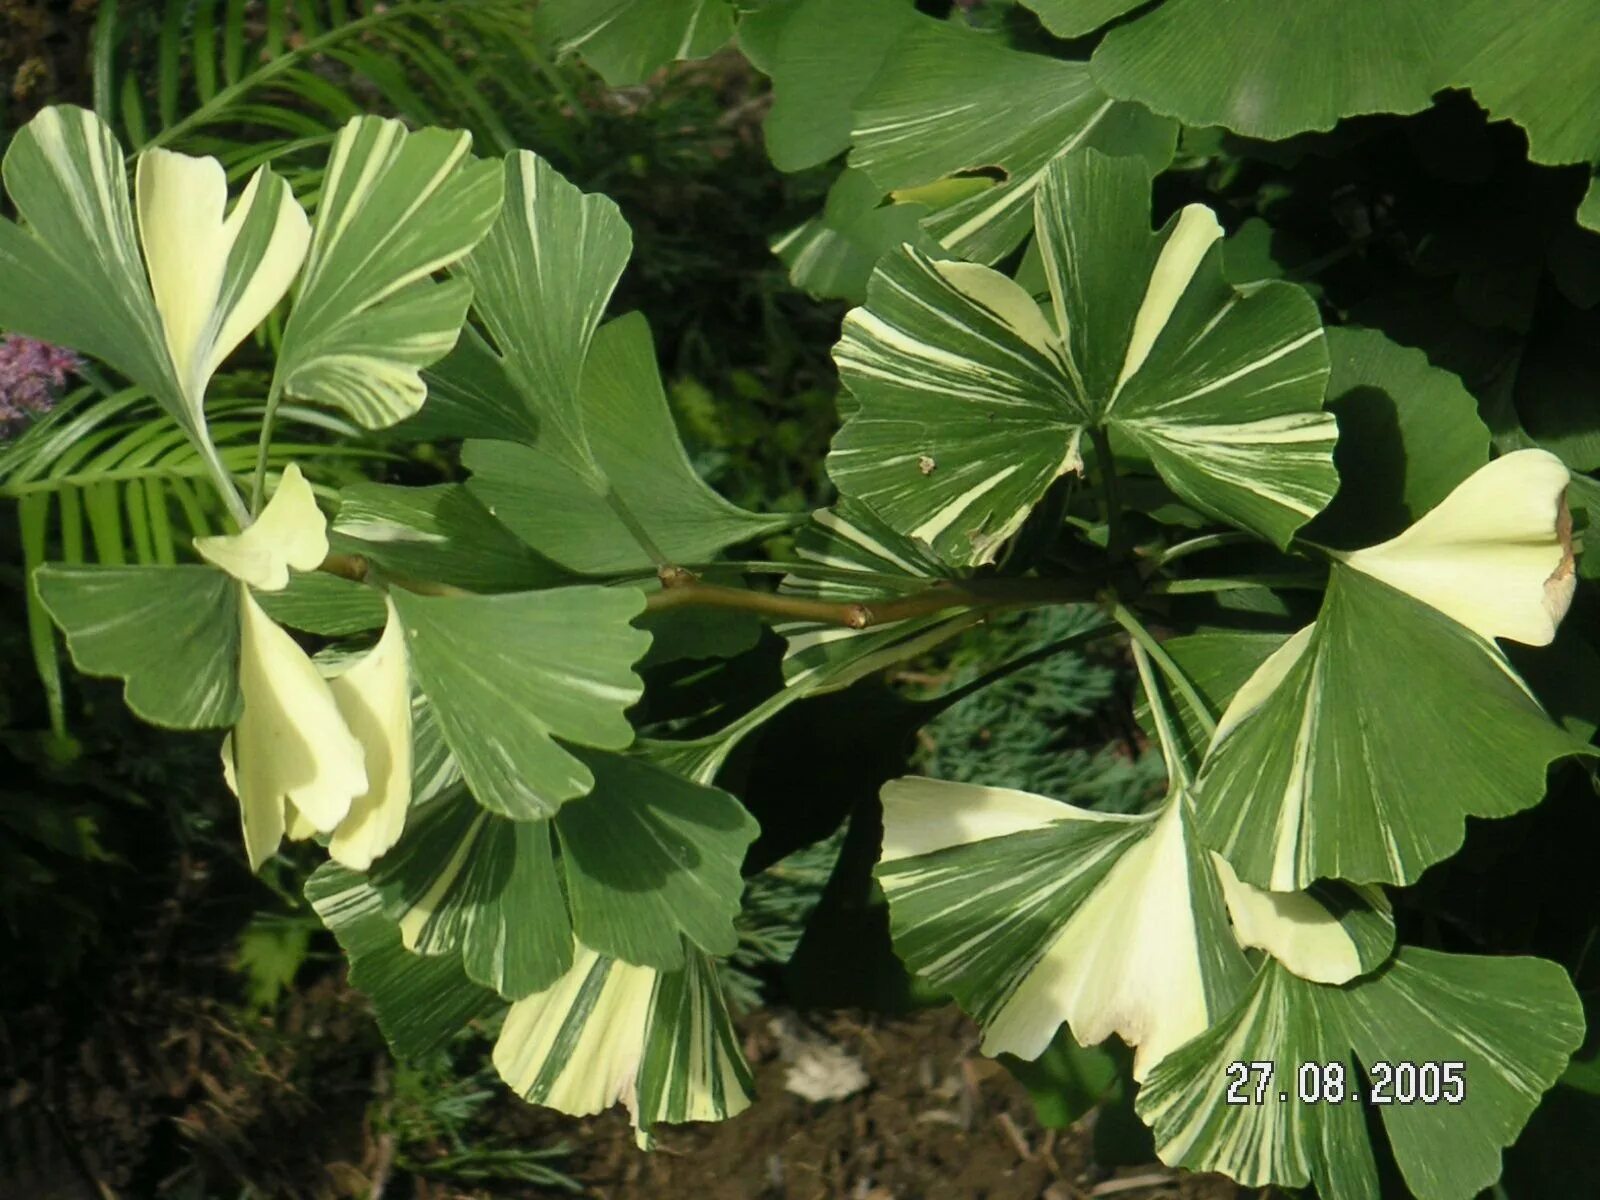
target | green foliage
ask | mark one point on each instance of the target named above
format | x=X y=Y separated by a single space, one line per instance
x=1076 y=410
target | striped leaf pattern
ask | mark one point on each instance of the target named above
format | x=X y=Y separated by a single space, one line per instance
x=625 y=41
x=395 y=207
x=1221 y=388
x=74 y=276
x=649 y=863
x=953 y=102
x=848 y=537
x=508 y=674
x=967 y=411
x=1510 y=1024
x=171 y=632
x=1032 y=912
x=420 y=1003
x=660 y=1042
x=1324 y=765
x=482 y=889
x=541 y=280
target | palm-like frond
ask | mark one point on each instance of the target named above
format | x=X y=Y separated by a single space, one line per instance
x=251 y=81
x=109 y=477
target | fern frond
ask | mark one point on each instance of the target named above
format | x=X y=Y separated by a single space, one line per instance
x=251 y=81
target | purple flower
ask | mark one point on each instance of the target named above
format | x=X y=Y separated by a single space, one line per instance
x=32 y=374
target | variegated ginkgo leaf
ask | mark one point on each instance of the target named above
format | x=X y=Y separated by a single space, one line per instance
x=661 y=1042
x=625 y=41
x=508 y=674
x=291 y=752
x=1221 y=387
x=972 y=402
x=214 y=277
x=481 y=889
x=848 y=537
x=541 y=280
x=290 y=532
x=1032 y=912
x=420 y=1002
x=395 y=207
x=650 y=862
x=373 y=694
x=1325 y=766
x=951 y=103
x=1454 y=1052
x=171 y=632
x=74 y=275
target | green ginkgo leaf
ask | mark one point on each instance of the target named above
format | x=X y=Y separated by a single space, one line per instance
x=972 y=402
x=660 y=1042
x=171 y=632
x=949 y=102
x=420 y=1003
x=1460 y=1048
x=1325 y=765
x=438 y=533
x=629 y=428
x=1266 y=73
x=833 y=253
x=482 y=888
x=541 y=280
x=625 y=41
x=652 y=859
x=395 y=207
x=507 y=675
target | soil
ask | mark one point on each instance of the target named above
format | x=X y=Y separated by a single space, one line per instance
x=936 y=1121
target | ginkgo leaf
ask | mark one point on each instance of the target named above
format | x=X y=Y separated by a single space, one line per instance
x=74 y=273
x=541 y=280
x=651 y=861
x=483 y=889
x=1329 y=933
x=171 y=632
x=1325 y=765
x=1265 y=76
x=833 y=253
x=291 y=746
x=420 y=1002
x=76 y=277
x=1032 y=912
x=661 y=1043
x=626 y=40
x=395 y=207
x=1221 y=388
x=826 y=657
x=1074 y=18
x=509 y=674
x=949 y=101
x=439 y=533
x=967 y=412
x=972 y=402
x=624 y=415
x=214 y=277
x=290 y=532
x=1494 y=555
x=1475 y=1040
x=373 y=694
x=331 y=605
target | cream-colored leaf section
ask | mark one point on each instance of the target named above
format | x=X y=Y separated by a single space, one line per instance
x=290 y=532
x=1263 y=681
x=207 y=308
x=1494 y=555
x=1128 y=962
x=291 y=745
x=1180 y=258
x=921 y=815
x=1292 y=927
x=374 y=697
x=1005 y=299
x=576 y=1046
